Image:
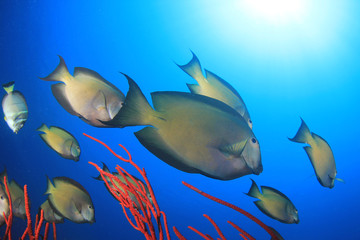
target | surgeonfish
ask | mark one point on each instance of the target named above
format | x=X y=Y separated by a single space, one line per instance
x=4 y=205
x=215 y=87
x=319 y=153
x=193 y=133
x=17 y=196
x=128 y=180
x=49 y=213
x=61 y=141
x=14 y=107
x=70 y=200
x=274 y=204
x=86 y=94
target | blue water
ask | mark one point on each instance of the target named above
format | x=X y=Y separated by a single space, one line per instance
x=284 y=67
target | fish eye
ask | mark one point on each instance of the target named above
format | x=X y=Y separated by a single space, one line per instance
x=250 y=121
x=90 y=206
x=253 y=140
x=2 y=197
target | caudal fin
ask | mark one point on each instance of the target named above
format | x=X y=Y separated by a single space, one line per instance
x=303 y=134
x=193 y=68
x=9 y=87
x=43 y=128
x=61 y=73
x=136 y=110
x=254 y=190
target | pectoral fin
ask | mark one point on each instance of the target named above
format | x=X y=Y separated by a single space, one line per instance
x=58 y=91
x=234 y=149
x=99 y=101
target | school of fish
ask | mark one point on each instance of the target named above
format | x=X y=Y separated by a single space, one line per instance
x=206 y=131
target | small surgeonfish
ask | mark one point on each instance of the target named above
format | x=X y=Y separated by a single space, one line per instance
x=86 y=94
x=274 y=204
x=17 y=196
x=192 y=133
x=122 y=180
x=320 y=155
x=61 y=141
x=49 y=213
x=4 y=205
x=14 y=107
x=215 y=87
x=70 y=200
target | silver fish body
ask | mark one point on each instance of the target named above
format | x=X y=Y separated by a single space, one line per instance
x=15 y=108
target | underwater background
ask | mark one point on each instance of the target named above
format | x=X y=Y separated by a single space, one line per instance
x=285 y=64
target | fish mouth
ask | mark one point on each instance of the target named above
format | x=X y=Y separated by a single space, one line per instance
x=254 y=170
x=257 y=170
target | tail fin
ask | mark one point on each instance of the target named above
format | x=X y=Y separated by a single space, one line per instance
x=9 y=87
x=303 y=134
x=254 y=190
x=43 y=128
x=136 y=110
x=193 y=68
x=50 y=186
x=61 y=73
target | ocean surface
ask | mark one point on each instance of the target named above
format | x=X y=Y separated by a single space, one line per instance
x=286 y=61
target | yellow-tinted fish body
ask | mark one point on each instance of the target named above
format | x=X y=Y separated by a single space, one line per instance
x=86 y=94
x=70 y=200
x=14 y=107
x=61 y=141
x=319 y=153
x=215 y=87
x=274 y=204
x=192 y=133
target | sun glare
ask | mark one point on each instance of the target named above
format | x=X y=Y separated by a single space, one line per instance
x=277 y=11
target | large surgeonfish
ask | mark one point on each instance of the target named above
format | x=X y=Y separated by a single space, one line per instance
x=49 y=213
x=86 y=94
x=274 y=204
x=192 y=133
x=4 y=205
x=123 y=181
x=14 y=107
x=70 y=200
x=319 y=153
x=17 y=196
x=61 y=141
x=215 y=87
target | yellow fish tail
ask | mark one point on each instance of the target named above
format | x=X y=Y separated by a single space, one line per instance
x=60 y=74
x=9 y=87
x=303 y=135
x=193 y=68
x=254 y=190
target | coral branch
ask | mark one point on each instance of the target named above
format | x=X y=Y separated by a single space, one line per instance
x=200 y=233
x=250 y=216
x=216 y=227
x=248 y=236
x=132 y=196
